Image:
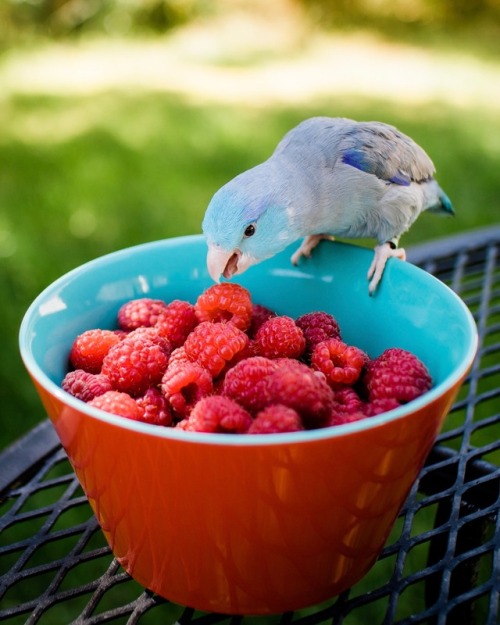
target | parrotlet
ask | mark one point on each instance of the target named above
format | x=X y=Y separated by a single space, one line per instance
x=328 y=177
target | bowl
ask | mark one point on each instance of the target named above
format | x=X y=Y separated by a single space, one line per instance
x=251 y=524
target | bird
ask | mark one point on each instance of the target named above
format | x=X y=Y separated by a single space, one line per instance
x=328 y=177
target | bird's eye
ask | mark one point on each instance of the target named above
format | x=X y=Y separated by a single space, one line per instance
x=250 y=230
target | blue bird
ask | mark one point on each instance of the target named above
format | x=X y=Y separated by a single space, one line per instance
x=327 y=177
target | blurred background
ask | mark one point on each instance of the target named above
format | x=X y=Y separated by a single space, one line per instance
x=121 y=118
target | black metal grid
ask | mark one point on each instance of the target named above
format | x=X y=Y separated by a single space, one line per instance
x=441 y=565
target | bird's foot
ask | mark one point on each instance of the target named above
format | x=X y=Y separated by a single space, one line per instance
x=382 y=255
x=307 y=246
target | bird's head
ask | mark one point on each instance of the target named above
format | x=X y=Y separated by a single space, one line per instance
x=243 y=225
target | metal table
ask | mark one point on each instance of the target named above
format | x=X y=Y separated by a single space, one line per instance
x=441 y=564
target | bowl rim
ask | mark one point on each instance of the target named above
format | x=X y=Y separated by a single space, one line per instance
x=305 y=436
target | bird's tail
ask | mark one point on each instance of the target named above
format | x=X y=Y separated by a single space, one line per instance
x=439 y=202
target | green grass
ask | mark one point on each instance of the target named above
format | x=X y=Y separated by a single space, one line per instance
x=83 y=176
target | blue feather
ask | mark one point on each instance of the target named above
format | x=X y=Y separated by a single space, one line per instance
x=356 y=158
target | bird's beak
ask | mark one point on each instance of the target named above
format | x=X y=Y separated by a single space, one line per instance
x=223 y=263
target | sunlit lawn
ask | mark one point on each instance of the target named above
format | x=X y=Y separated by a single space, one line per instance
x=83 y=175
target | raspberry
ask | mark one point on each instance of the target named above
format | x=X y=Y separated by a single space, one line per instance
x=117 y=403
x=152 y=334
x=218 y=414
x=275 y=420
x=378 y=406
x=213 y=345
x=227 y=301
x=342 y=364
x=140 y=312
x=90 y=348
x=347 y=401
x=84 y=385
x=245 y=382
x=184 y=384
x=317 y=326
x=396 y=374
x=177 y=321
x=260 y=314
x=340 y=418
x=280 y=337
x=135 y=364
x=300 y=388
x=154 y=408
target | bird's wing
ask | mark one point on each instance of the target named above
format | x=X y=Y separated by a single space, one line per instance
x=383 y=151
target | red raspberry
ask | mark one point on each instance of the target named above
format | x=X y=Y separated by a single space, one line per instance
x=245 y=382
x=184 y=384
x=227 y=301
x=178 y=357
x=151 y=334
x=342 y=364
x=347 y=401
x=260 y=314
x=213 y=345
x=218 y=414
x=90 y=348
x=340 y=418
x=134 y=365
x=396 y=374
x=177 y=321
x=154 y=408
x=117 y=403
x=279 y=337
x=84 y=385
x=379 y=406
x=275 y=420
x=318 y=326
x=302 y=389
x=140 y=312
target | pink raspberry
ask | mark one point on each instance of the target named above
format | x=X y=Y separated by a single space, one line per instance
x=184 y=384
x=379 y=406
x=143 y=311
x=213 y=345
x=342 y=364
x=154 y=408
x=280 y=337
x=228 y=302
x=317 y=326
x=245 y=382
x=151 y=334
x=90 y=348
x=340 y=418
x=177 y=321
x=260 y=314
x=276 y=419
x=346 y=400
x=302 y=389
x=135 y=364
x=396 y=374
x=218 y=414
x=84 y=385
x=117 y=403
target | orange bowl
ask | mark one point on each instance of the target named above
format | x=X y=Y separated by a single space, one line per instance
x=251 y=524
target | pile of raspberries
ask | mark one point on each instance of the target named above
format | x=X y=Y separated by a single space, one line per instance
x=227 y=365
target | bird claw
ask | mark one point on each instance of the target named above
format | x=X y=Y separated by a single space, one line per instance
x=382 y=255
x=307 y=246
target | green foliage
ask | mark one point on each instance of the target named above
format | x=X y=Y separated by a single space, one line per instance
x=22 y=19
x=475 y=23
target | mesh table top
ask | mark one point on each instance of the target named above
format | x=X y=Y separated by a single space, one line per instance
x=441 y=564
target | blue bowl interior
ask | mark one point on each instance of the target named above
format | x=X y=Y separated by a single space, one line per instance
x=411 y=309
